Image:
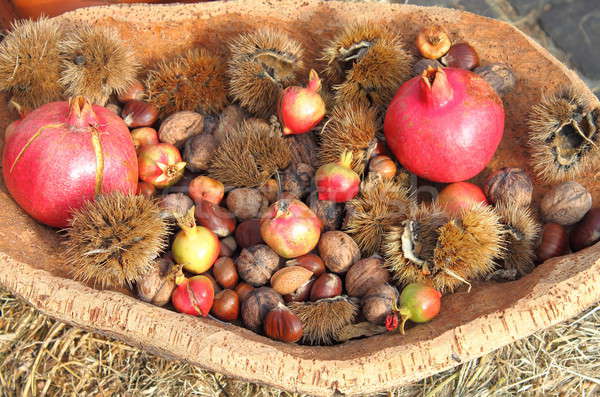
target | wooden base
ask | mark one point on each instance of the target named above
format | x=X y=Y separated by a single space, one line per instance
x=470 y=324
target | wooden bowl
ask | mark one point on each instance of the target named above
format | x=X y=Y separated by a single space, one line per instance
x=470 y=324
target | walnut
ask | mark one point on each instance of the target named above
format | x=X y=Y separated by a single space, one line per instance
x=199 y=151
x=566 y=203
x=179 y=126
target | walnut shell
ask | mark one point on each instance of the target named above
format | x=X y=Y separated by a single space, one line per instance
x=510 y=186
x=257 y=304
x=199 y=151
x=246 y=203
x=256 y=264
x=175 y=205
x=364 y=275
x=157 y=286
x=566 y=203
x=377 y=303
x=288 y=279
x=338 y=250
x=179 y=126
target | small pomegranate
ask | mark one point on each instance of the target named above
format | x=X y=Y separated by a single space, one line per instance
x=195 y=247
x=290 y=228
x=418 y=303
x=460 y=195
x=160 y=164
x=301 y=109
x=445 y=125
x=193 y=295
x=63 y=154
x=144 y=136
x=337 y=181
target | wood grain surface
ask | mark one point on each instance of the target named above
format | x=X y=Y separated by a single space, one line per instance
x=470 y=324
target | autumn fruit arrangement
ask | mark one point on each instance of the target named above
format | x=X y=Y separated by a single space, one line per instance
x=253 y=191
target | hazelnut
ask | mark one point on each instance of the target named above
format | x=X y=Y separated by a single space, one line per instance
x=246 y=203
x=199 y=151
x=226 y=305
x=364 y=275
x=499 y=76
x=256 y=264
x=328 y=285
x=566 y=203
x=288 y=279
x=180 y=126
x=225 y=272
x=175 y=205
x=378 y=302
x=509 y=185
x=311 y=262
x=215 y=218
x=157 y=286
x=243 y=290
x=248 y=234
x=281 y=324
x=228 y=246
x=330 y=213
x=139 y=114
x=257 y=304
x=338 y=250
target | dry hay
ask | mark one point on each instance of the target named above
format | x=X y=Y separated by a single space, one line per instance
x=43 y=357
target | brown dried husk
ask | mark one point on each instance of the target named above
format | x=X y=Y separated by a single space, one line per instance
x=323 y=319
x=250 y=156
x=380 y=204
x=564 y=136
x=96 y=63
x=114 y=239
x=351 y=127
x=192 y=81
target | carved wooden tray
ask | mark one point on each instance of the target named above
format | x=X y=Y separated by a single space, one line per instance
x=470 y=324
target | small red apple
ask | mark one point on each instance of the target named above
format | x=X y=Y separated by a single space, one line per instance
x=460 y=195
x=193 y=295
x=206 y=188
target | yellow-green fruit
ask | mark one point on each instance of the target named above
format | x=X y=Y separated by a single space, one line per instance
x=196 y=249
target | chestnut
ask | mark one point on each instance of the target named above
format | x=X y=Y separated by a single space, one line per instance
x=247 y=234
x=310 y=262
x=256 y=306
x=226 y=305
x=555 y=242
x=282 y=324
x=209 y=275
x=228 y=246
x=215 y=218
x=134 y=92
x=243 y=290
x=327 y=285
x=587 y=231
x=462 y=56
x=384 y=166
x=301 y=294
x=225 y=272
x=139 y=114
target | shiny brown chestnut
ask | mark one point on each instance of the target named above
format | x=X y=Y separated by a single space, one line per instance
x=301 y=294
x=462 y=56
x=243 y=289
x=587 y=231
x=139 y=114
x=327 y=285
x=281 y=324
x=247 y=234
x=225 y=272
x=310 y=262
x=257 y=304
x=135 y=91
x=215 y=218
x=384 y=166
x=228 y=246
x=216 y=285
x=226 y=305
x=555 y=242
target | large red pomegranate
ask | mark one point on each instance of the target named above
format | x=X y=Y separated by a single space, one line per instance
x=64 y=153
x=445 y=125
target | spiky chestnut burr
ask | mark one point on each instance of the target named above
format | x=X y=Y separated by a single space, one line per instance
x=96 y=63
x=366 y=63
x=262 y=63
x=250 y=156
x=522 y=231
x=380 y=204
x=564 y=136
x=194 y=81
x=114 y=240
x=446 y=252
x=324 y=319
x=351 y=127
x=30 y=62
